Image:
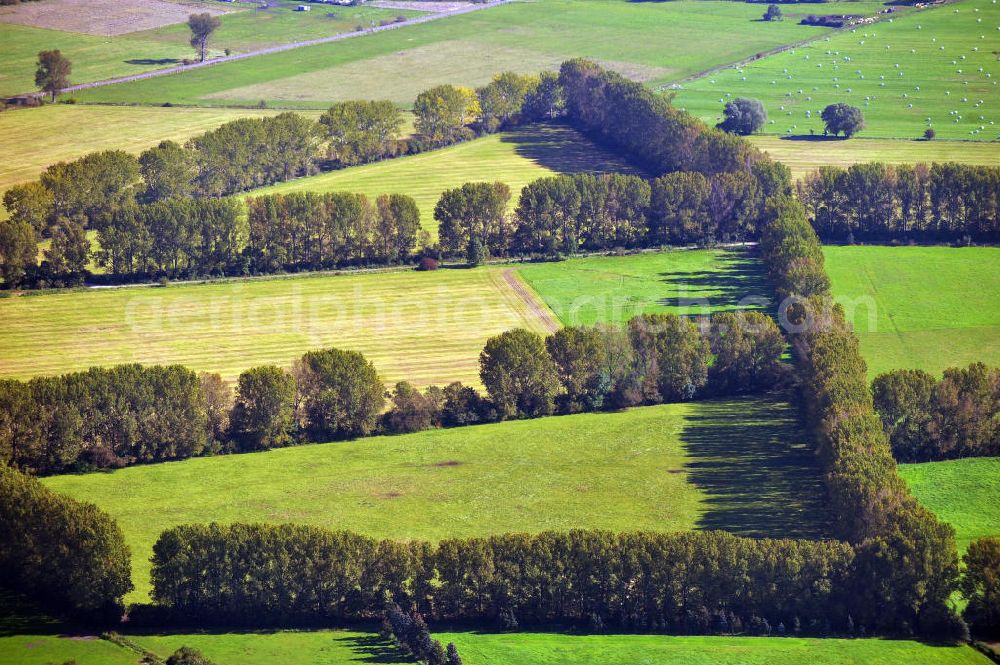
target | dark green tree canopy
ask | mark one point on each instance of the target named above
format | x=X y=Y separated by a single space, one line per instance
x=743 y=116
x=843 y=118
x=52 y=75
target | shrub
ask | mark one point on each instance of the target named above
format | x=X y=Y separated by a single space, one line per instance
x=428 y=263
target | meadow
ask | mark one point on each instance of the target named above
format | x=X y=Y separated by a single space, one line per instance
x=804 y=156
x=961 y=492
x=933 y=68
x=424 y=327
x=33 y=139
x=516 y=158
x=613 y=289
x=646 y=41
x=741 y=465
x=920 y=307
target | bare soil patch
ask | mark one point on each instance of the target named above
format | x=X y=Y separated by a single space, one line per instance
x=107 y=17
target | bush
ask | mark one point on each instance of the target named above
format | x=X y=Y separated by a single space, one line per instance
x=428 y=263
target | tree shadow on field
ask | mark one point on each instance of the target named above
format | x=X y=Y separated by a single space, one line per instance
x=739 y=280
x=752 y=460
x=374 y=649
x=564 y=150
x=152 y=61
x=815 y=138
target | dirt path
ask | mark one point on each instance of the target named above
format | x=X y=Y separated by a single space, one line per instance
x=537 y=308
x=278 y=49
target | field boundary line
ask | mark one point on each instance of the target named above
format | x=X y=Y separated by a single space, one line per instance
x=274 y=49
x=536 y=306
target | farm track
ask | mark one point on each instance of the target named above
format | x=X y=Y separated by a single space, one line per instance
x=536 y=307
x=277 y=49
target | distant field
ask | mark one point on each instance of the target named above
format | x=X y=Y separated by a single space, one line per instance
x=613 y=289
x=964 y=493
x=515 y=158
x=803 y=156
x=654 y=42
x=33 y=139
x=939 y=60
x=104 y=18
x=920 y=307
x=557 y=649
x=422 y=327
x=739 y=465
x=93 y=58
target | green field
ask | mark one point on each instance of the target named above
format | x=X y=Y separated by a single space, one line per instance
x=646 y=41
x=516 y=158
x=920 y=307
x=923 y=44
x=738 y=465
x=549 y=649
x=805 y=156
x=33 y=139
x=425 y=327
x=613 y=289
x=965 y=493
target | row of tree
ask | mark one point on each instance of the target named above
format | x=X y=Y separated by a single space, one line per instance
x=107 y=418
x=68 y=556
x=410 y=633
x=567 y=213
x=878 y=201
x=907 y=553
x=684 y=582
x=930 y=419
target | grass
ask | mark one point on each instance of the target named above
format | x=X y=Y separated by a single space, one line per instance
x=920 y=307
x=646 y=41
x=739 y=465
x=805 y=156
x=516 y=158
x=423 y=327
x=33 y=139
x=962 y=492
x=558 y=649
x=924 y=44
x=611 y=289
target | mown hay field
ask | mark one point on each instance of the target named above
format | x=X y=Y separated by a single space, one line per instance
x=516 y=158
x=804 y=156
x=424 y=327
x=936 y=64
x=920 y=307
x=613 y=289
x=654 y=42
x=740 y=465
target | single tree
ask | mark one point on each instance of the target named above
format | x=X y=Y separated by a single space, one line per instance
x=520 y=377
x=743 y=116
x=773 y=13
x=843 y=118
x=263 y=416
x=981 y=586
x=929 y=134
x=52 y=75
x=202 y=26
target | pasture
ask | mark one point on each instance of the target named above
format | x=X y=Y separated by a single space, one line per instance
x=961 y=492
x=646 y=41
x=740 y=465
x=422 y=327
x=803 y=156
x=33 y=139
x=933 y=68
x=920 y=307
x=516 y=158
x=613 y=289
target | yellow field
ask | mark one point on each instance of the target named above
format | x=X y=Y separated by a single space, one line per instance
x=32 y=139
x=804 y=156
x=423 y=327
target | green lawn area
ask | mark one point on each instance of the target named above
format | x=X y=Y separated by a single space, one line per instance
x=920 y=307
x=424 y=327
x=939 y=60
x=965 y=493
x=654 y=42
x=516 y=158
x=740 y=465
x=805 y=156
x=613 y=289
x=557 y=649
